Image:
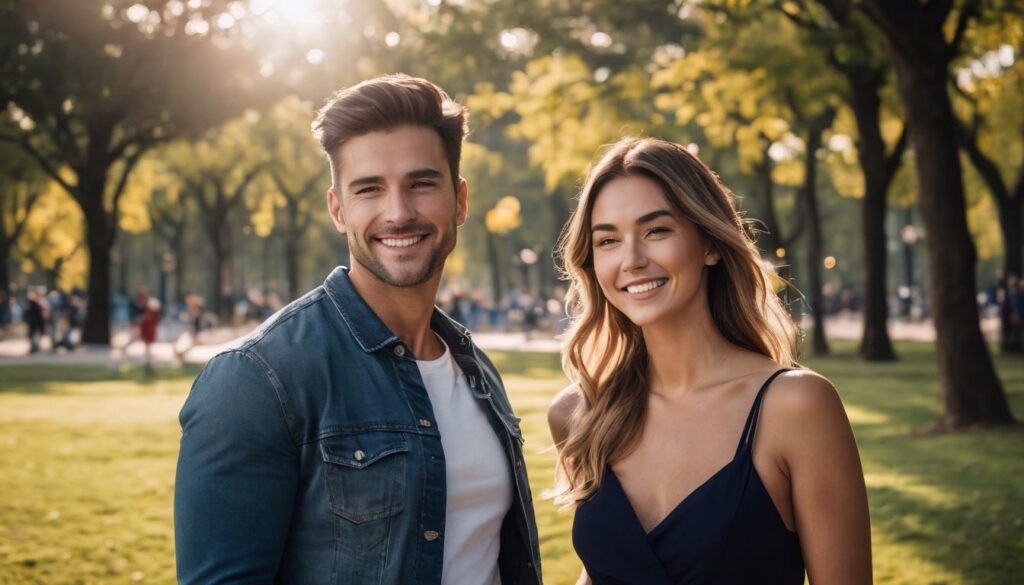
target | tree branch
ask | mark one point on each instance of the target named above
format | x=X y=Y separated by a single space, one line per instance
x=40 y=159
x=242 y=186
x=969 y=11
x=986 y=167
x=892 y=162
x=30 y=202
x=279 y=183
x=129 y=164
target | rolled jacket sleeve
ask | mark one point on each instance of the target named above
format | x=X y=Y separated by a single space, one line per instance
x=237 y=475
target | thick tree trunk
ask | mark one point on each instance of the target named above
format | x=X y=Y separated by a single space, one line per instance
x=179 y=268
x=100 y=237
x=875 y=342
x=292 y=246
x=972 y=391
x=770 y=239
x=223 y=289
x=5 y=265
x=819 y=341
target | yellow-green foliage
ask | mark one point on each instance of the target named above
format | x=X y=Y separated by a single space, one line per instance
x=54 y=235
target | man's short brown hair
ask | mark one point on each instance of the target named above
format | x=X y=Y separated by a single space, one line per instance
x=385 y=103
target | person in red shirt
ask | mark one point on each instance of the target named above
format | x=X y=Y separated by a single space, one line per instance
x=147 y=328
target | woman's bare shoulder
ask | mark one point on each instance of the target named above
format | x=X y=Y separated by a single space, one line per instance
x=805 y=411
x=801 y=392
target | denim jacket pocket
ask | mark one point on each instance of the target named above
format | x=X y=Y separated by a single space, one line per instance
x=365 y=474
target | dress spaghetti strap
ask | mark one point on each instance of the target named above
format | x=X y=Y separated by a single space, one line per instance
x=750 y=427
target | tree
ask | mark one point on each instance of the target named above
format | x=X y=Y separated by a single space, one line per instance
x=916 y=41
x=93 y=88
x=218 y=173
x=154 y=200
x=20 y=187
x=847 y=41
x=53 y=240
x=990 y=127
x=752 y=85
x=296 y=168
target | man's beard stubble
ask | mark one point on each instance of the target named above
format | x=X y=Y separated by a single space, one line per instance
x=434 y=264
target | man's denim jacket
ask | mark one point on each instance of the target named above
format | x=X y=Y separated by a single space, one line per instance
x=309 y=454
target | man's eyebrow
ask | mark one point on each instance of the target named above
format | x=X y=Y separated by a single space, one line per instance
x=364 y=181
x=646 y=218
x=417 y=174
x=425 y=174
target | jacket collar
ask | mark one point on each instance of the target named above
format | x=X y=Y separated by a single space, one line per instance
x=369 y=331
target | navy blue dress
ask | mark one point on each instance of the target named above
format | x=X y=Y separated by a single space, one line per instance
x=727 y=531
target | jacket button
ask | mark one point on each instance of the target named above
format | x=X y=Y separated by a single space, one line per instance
x=431 y=535
x=425 y=423
x=359 y=455
x=399 y=350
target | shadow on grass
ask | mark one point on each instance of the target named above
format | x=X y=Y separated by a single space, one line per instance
x=953 y=499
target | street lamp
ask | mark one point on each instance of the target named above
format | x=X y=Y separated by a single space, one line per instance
x=527 y=257
x=168 y=262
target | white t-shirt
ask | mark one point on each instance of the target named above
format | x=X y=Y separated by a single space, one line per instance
x=477 y=472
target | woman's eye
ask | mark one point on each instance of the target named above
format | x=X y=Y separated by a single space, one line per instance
x=659 y=230
x=605 y=241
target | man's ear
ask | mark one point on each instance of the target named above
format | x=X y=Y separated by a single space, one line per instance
x=461 y=202
x=336 y=210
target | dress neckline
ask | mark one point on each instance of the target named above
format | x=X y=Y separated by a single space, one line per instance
x=743 y=448
x=678 y=507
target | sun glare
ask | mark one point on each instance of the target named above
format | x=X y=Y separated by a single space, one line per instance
x=298 y=15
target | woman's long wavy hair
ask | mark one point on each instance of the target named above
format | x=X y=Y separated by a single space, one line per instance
x=605 y=356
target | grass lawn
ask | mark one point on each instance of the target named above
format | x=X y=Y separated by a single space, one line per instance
x=88 y=456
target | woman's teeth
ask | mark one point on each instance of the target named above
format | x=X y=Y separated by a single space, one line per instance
x=642 y=288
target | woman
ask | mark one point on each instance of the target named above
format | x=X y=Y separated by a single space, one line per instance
x=682 y=466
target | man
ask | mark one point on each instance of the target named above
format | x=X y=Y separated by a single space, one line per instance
x=358 y=436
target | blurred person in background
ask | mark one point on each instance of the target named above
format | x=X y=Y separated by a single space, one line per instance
x=148 y=324
x=35 y=318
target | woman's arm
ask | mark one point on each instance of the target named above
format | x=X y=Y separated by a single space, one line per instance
x=560 y=415
x=830 y=502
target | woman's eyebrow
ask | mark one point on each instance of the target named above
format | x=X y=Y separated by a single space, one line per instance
x=645 y=218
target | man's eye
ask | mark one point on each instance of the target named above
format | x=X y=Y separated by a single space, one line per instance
x=367 y=190
x=422 y=185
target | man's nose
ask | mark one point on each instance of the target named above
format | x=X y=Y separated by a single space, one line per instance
x=399 y=208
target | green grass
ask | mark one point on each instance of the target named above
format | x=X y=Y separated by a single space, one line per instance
x=88 y=455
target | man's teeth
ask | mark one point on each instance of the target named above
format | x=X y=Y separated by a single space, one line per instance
x=640 y=288
x=401 y=242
